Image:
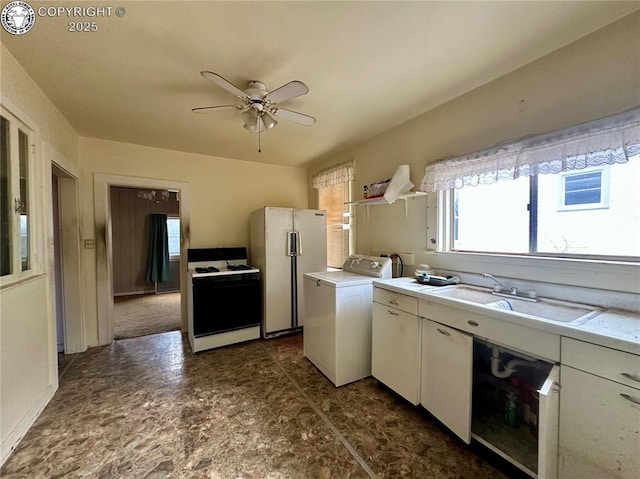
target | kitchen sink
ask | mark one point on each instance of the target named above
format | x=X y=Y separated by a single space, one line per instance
x=548 y=309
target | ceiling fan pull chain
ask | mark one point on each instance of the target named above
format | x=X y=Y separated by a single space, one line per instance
x=259 y=137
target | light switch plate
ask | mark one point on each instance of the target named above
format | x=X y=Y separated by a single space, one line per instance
x=89 y=244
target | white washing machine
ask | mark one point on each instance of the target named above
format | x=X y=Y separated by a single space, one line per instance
x=337 y=328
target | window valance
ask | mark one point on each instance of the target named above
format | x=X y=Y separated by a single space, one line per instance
x=608 y=140
x=333 y=175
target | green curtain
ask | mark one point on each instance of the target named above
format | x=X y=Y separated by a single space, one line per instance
x=158 y=254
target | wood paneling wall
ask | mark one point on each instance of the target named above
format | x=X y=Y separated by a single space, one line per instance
x=130 y=222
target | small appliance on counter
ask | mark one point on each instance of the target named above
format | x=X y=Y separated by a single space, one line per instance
x=224 y=298
x=425 y=275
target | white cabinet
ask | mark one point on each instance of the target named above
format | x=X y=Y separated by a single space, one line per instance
x=447 y=368
x=396 y=343
x=599 y=412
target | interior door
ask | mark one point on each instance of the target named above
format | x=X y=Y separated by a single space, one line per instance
x=277 y=270
x=311 y=227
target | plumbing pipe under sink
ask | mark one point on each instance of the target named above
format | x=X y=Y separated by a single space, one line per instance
x=510 y=367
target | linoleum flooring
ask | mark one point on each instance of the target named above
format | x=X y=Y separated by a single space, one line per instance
x=149 y=408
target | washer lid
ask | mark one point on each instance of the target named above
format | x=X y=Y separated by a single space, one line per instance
x=339 y=279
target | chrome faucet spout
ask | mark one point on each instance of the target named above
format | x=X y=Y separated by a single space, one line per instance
x=490 y=276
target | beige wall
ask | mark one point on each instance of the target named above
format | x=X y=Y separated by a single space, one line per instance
x=222 y=194
x=28 y=374
x=595 y=76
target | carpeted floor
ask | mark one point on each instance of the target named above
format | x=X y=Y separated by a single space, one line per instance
x=141 y=315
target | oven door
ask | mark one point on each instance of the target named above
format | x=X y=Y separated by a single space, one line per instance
x=225 y=303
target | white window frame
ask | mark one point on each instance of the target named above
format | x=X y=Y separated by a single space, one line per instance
x=604 y=189
x=34 y=200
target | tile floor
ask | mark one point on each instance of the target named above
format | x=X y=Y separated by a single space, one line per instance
x=148 y=408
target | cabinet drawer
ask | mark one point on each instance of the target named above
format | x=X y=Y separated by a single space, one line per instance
x=608 y=363
x=396 y=300
x=539 y=343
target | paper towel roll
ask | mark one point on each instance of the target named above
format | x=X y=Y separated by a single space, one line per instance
x=399 y=185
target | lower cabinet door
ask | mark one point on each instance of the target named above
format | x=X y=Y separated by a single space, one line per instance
x=395 y=351
x=447 y=369
x=599 y=427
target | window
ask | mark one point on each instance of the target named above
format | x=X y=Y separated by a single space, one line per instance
x=584 y=190
x=173 y=233
x=591 y=212
x=569 y=193
x=16 y=222
x=332 y=199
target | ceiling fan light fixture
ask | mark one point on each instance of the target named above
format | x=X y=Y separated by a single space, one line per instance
x=249 y=118
x=268 y=121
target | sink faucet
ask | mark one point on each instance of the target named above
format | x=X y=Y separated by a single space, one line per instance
x=501 y=290
x=501 y=287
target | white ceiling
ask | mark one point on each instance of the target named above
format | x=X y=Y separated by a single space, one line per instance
x=369 y=65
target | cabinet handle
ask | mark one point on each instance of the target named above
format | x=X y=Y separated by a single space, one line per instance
x=392 y=313
x=392 y=301
x=633 y=377
x=473 y=323
x=442 y=331
x=629 y=398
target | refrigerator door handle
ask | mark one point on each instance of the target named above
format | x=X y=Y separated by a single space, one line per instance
x=299 y=244
x=291 y=243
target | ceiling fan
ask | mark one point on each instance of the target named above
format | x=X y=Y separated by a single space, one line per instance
x=258 y=105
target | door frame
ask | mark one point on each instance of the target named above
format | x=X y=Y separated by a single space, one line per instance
x=68 y=177
x=102 y=183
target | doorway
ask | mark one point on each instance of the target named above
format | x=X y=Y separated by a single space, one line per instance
x=104 y=249
x=66 y=261
x=144 y=305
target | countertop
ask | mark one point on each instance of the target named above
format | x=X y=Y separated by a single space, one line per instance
x=610 y=328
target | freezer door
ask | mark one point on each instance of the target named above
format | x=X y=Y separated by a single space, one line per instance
x=276 y=275
x=311 y=226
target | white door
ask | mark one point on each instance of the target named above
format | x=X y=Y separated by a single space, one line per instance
x=395 y=350
x=549 y=408
x=447 y=376
x=277 y=271
x=599 y=427
x=311 y=228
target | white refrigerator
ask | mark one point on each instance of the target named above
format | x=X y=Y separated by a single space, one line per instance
x=284 y=244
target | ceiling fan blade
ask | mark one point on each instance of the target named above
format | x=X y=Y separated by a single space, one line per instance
x=210 y=109
x=221 y=82
x=300 y=118
x=287 y=92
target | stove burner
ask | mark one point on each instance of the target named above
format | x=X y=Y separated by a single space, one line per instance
x=238 y=267
x=208 y=269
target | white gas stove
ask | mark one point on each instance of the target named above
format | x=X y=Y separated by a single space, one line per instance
x=224 y=298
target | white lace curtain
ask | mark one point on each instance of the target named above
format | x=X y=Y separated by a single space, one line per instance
x=333 y=175
x=609 y=140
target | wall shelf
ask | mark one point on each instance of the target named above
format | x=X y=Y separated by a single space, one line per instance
x=382 y=201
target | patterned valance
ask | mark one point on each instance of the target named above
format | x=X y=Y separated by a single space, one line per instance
x=609 y=140
x=333 y=175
